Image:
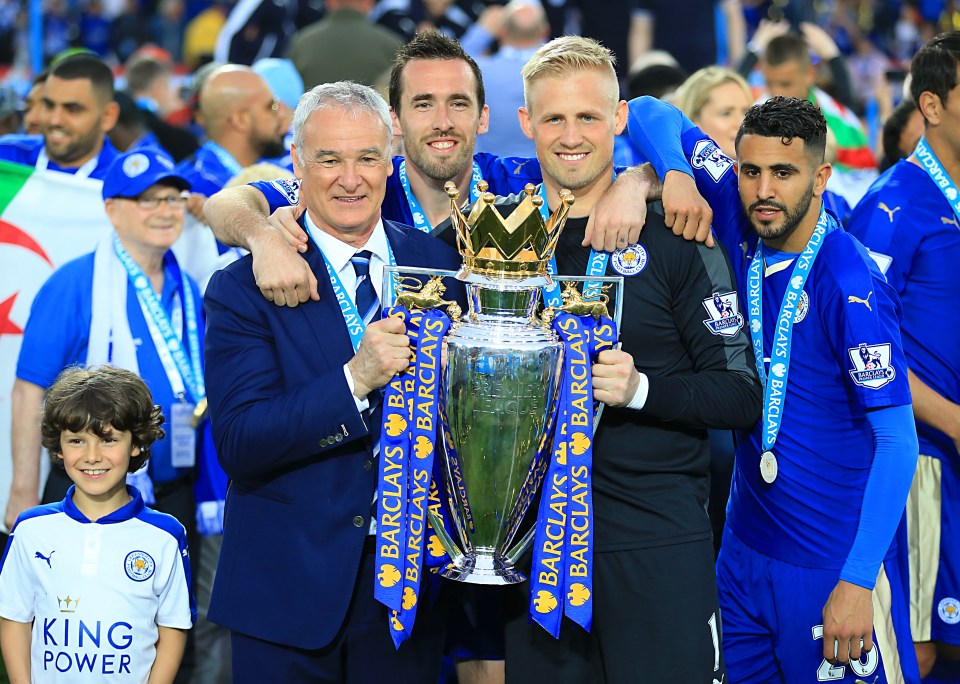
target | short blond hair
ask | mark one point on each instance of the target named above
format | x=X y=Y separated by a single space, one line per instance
x=566 y=54
x=693 y=94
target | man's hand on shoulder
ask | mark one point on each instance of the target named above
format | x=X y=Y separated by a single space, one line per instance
x=685 y=211
x=847 y=619
x=282 y=274
x=615 y=378
x=384 y=351
x=619 y=216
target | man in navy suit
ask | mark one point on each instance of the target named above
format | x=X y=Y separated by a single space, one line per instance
x=293 y=396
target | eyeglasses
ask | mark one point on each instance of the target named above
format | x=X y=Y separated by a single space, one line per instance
x=152 y=203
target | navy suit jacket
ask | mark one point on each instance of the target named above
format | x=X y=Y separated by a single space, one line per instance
x=297 y=452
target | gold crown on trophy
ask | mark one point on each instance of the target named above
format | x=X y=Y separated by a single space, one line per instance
x=518 y=246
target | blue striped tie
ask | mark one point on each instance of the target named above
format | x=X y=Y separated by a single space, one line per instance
x=366 y=295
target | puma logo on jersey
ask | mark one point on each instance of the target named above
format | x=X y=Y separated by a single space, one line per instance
x=853 y=299
x=40 y=556
x=520 y=165
x=887 y=209
x=949 y=221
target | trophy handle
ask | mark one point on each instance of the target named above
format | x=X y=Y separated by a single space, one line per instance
x=445 y=540
x=521 y=548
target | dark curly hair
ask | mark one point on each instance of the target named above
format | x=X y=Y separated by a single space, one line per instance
x=97 y=399
x=787 y=118
x=430 y=45
x=934 y=68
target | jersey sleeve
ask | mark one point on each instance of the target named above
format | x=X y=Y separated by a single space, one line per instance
x=57 y=330
x=878 y=227
x=673 y=143
x=862 y=314
x=723 y=391
x=177 y=607
x=17 y=601
x=283 y=192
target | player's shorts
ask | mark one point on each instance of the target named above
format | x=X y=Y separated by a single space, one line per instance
x=773 y=622
x=655 y=621
x=475 y=624
x=933 y=531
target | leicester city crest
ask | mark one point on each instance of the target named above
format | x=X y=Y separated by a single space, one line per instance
x=139 y=566
x=803 y=306
x=871 y=365
x=725 y=319
x=629 y=261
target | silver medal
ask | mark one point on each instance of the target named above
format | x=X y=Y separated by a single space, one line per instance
x=768 y=467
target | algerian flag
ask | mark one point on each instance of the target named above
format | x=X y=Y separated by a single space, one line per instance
x=47 y=218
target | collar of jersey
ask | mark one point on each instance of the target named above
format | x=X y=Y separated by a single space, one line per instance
x=126 y=512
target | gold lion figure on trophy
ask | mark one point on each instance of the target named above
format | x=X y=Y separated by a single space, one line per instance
x=575 y=303
x=428 y=296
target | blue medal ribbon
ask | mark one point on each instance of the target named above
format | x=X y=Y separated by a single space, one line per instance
x=354 y=321
x=596 y=264
x=775 y=386
x=185 y=375
x=416 y=211
x=931 y=164
x=562 y=572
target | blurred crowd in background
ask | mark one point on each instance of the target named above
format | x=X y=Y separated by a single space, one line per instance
x=658 y=43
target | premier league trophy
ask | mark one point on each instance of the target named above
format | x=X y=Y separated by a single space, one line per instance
x=498 y=397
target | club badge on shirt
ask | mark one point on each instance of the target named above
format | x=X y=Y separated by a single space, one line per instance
x=871 y=365
x=629 y=261
x=139 y=566
x=725 y=317
x=803 y=306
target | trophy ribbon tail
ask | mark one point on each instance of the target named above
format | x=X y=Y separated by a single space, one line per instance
x=446 y=540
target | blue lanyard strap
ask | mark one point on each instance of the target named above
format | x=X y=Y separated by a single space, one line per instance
x=931 y=164
x=225 y=158
x=419 y=215
x=169 y=347
x=354 y=321
x=596 y=264
x=775 y=386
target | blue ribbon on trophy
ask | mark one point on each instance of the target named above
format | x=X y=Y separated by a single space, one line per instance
x=410 y=415
x=515 y=403
x=562 y=572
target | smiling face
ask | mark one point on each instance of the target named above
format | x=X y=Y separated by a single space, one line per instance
x=439 y=116
x=74 y=120
x=778 y=183
x=573 y=120
x=343 y=172
x=98 y=466
x=147 y=231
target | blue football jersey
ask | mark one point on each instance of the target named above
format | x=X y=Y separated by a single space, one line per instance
x=25 y=149
x=914 y=237
x=847 y=359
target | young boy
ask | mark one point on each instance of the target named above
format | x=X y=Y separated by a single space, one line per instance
x=96 y=585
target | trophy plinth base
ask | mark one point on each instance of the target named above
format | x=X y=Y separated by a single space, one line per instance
x=482 y=569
